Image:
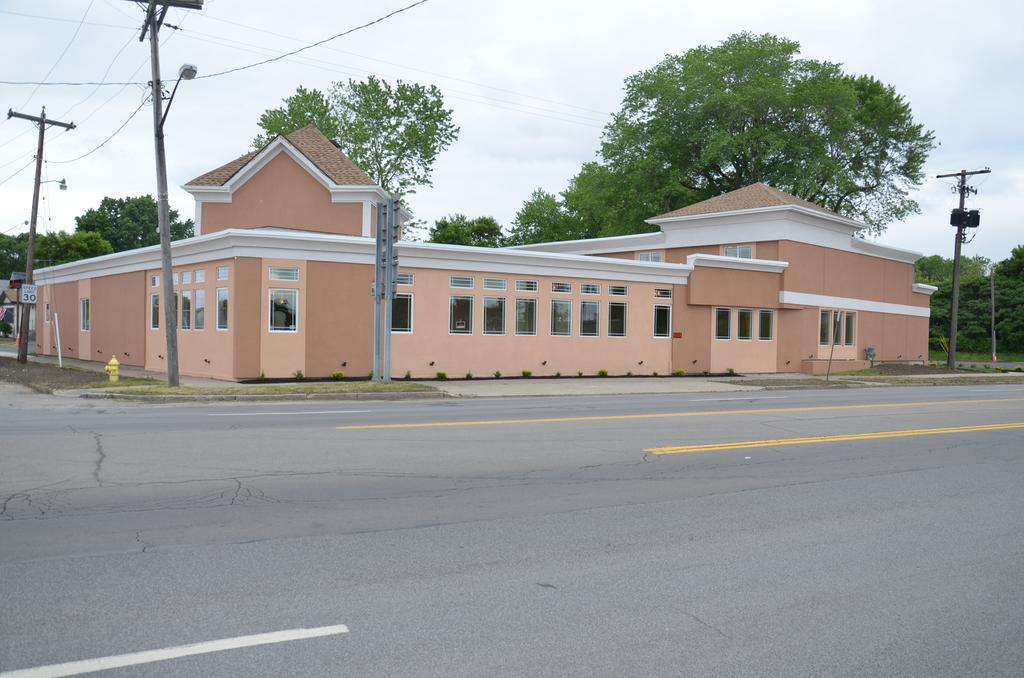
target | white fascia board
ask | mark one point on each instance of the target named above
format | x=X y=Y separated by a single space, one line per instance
x=922 y=288
x=616 y=243
x=879 y=250
x=849 y=225
x=737 y=263
x=852 y=304
x=289 y=244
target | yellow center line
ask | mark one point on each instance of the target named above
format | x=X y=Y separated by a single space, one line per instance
x=905 y=433
x=666 y=415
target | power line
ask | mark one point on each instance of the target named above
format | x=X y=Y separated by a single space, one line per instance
x=104 y=142
x=18 y=172
x=319 y=42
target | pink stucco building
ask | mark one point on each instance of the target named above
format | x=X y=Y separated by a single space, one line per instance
x=277 y=280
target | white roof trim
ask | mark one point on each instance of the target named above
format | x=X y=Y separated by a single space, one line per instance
x=849 y=223
x=922 y=288
x=289 y=244
x=849 y=303
x=738 y=263
x=615 y=243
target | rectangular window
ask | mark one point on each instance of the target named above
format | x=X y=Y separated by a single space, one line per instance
x=561 y=317
x=201 y=276
x=766 y=325
x=494 y=283
x=286 y=273
x=401 y=313
x=461 y=281
x=590 y=288
x=741 y=251
x=848 y=336
x=662 y=321
x=663 y=293
x=222 y=308
x=723 y=323
x=837 y=327
x=175 y=278
x=86 y=320
x=561 y=287
x=494 y=315
x=460 y=315
x=526 y=317
x=650 y=256
x=616 y=319
x=46 y=313
x=154 y=281
x=186 y=310
x=618 y=290
x=222 y=273
x=154 y=311
x=590 y=318
x=823 y=327
x=284 y=310
x=200 y=309
x=405 y=279
x=526 y=286
x=186 y=277
x=744 y=324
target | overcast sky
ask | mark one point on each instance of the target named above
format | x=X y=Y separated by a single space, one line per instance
x=531 y=84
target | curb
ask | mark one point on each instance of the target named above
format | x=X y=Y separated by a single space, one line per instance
x=264 y=397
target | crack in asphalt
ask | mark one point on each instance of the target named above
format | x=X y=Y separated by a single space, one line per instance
x=145 y=544
x=101 y=457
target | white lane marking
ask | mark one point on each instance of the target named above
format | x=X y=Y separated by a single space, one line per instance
x=703 y=400
x=293 y=412
x=149 y=656
x=1006 y=389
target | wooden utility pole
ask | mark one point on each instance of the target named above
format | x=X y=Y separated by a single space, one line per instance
x=26 y=309
x=962 y=220
x=156 y=11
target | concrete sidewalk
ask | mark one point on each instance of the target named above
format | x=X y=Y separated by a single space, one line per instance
x=568 y=386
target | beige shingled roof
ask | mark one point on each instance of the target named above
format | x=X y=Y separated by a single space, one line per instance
x=309 y=141
x=746 y=198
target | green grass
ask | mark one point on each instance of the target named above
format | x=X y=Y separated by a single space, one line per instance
x=125 y=381
x=280 y=389
x=940 y=356
x=866 y=372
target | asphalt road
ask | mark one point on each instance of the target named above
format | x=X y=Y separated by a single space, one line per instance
x=776 y=533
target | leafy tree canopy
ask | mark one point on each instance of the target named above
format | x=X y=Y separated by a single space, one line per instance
x=12 y=254
x=458 y=229
x=748 y=110
x=305 y=107
x=544 y=218
x=62 y=247
x=129 y=223
x=937 y=269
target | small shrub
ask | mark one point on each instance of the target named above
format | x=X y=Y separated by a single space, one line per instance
x=441 y=375
x=408 y=375
x=497 y=374
x=654 y=374
x=469 y=375
x=729 y=370
x=679 y=373
x=263 y=376
x=299 y=376
x=602 y=373
x=579 y=374
x=705 y=373
x=370 y=375
x=527 y=373
x=338 y=376
x=629 y=374
x=558 y=374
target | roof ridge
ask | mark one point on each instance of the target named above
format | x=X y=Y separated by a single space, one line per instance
x=752 y=196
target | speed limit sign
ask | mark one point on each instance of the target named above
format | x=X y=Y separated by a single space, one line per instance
x=28 y=294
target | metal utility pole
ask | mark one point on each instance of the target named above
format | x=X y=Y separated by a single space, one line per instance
x=26 y=309
x=962 y=219
x=156 y=11
x=992 y=295
x=378 y=293
x=385 y=281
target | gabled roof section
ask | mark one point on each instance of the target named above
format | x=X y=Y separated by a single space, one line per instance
x=754 y=196
x=311 y=143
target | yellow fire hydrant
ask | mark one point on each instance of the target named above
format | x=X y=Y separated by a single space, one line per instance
x=113 y=368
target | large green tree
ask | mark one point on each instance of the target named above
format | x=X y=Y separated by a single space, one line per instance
x=458 y=229
x=129 y=223
x=544 y=218
x=748 y=110
x=305 y=107
x=12 y=254
x=62 y=247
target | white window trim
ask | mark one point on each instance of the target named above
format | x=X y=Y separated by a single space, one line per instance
x=185 y=294
x=412 y=314
x=598 y=334
x=625 y=320
x=624 y=288
x=472 y=303
x=504 y=319
x=560 y=282
x=503 y=284
x=154 y=281
x=760 y=313
x=527 y=286
x=274 y=273
x=195 y=309
x=714 y=324
x=150 y=309
x=584 y=291
x=846 y=320
x=470 y=286
x=648 y=256
x=186 y=277
x=411 y=278
x=751 y=312
x=551 y=324
x=225 y=270
x=84 y=314
x=654 y=326
x=725 y=251
x=216 y=307
x=270 y=306
x=535 y=304
x=199 y=275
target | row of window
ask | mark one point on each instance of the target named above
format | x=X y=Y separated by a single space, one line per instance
x=187 y=277
x=843 y=323
x=558 y=286
x=192 y=312
x=741 y=251
x=745 y=324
